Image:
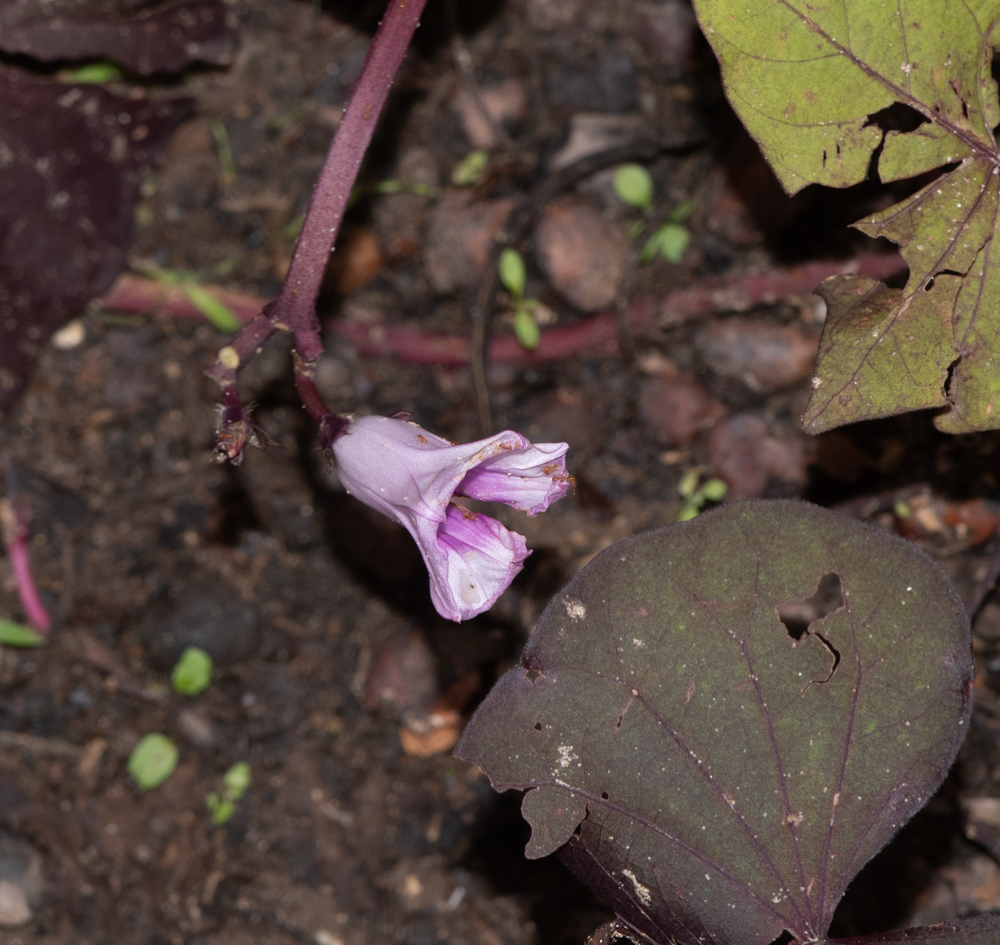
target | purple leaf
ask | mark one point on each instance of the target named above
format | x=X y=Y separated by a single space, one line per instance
x=146 y=36
x=70 y=164
x=981 y=930
x=712 y=765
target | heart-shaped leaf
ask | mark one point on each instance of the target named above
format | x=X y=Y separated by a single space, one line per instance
x=809 y=78
x=716 y=774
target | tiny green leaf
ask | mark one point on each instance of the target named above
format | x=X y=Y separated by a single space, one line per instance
x=634 y=185
x=468 y=170
x=689 y=482
x=714 y=490
x=512 y=272
x=94 y=73
x=193 y=672
x=152 y=761
x=526 y=329
x=16 y=634
x=221 y=316
x=671 y=242
x=236 y=781
x=682 y=211
x=220 y=809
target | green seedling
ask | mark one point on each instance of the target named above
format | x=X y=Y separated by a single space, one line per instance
x=633 y=185
x=227 y=165
x=96 y=73
x=193 y=672
x=152 y=761
x=215 y=312
x=695 y=496
x=16 y=634
x=235 y=783
x=902 y=509
x=669 y=241
x=468 y=171
x=513 y=277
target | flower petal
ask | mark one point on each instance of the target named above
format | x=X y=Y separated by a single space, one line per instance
x=410 y=476
x=474 y=561
x=529 y=479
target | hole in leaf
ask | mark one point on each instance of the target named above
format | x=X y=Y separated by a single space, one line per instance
x=538 y=726
x=604 y=795
x=897 y=117
x=532 y=674
x=797 y=615
x=950 y=377
x=784 y=939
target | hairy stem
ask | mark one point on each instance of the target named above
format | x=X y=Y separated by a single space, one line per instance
x=295 y=308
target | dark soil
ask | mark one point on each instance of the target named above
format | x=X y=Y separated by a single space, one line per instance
x=315 y=610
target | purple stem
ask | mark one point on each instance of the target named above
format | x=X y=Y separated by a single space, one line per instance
x=15 y=533
x=295 y=308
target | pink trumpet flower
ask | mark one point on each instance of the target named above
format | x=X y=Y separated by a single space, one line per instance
x=411 y=476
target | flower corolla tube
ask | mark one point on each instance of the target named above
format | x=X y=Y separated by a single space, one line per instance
x=411 y=476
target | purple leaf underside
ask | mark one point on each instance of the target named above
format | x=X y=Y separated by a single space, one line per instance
x=146 y=36
x=714 y=773
x=71 y=158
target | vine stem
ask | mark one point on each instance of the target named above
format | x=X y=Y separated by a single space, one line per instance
x=295 y=308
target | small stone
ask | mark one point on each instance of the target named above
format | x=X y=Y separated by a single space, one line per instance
x=581 y=252
x=747 y=454
x=402 y=677
x=593 y=132
x=677 y=409
x=204 y=613
x=460 y=238
x=504 y=104
x=765 y=357
x=21 y=881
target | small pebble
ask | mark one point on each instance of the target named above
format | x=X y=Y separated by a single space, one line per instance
x=21 y=881
x=746 y=453
x=581 y=252
x=677 y=409
x=504 y=103
x=460 y=238
x=765 y=357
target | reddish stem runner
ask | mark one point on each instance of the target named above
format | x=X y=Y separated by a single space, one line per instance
x=295 y=308
x=14 y=529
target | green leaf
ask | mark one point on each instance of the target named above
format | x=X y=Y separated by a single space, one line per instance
x=633 y=185
x=526 y=329
x=220 y=315
x=152 y=761
x=670 y=241
x=16 y=634
x=806 y=79
x=470 y=168
x=236 y=781
x=94 y=73
x=715 y=773
x=193 y=672
x=510 y=266
x=220 y=809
